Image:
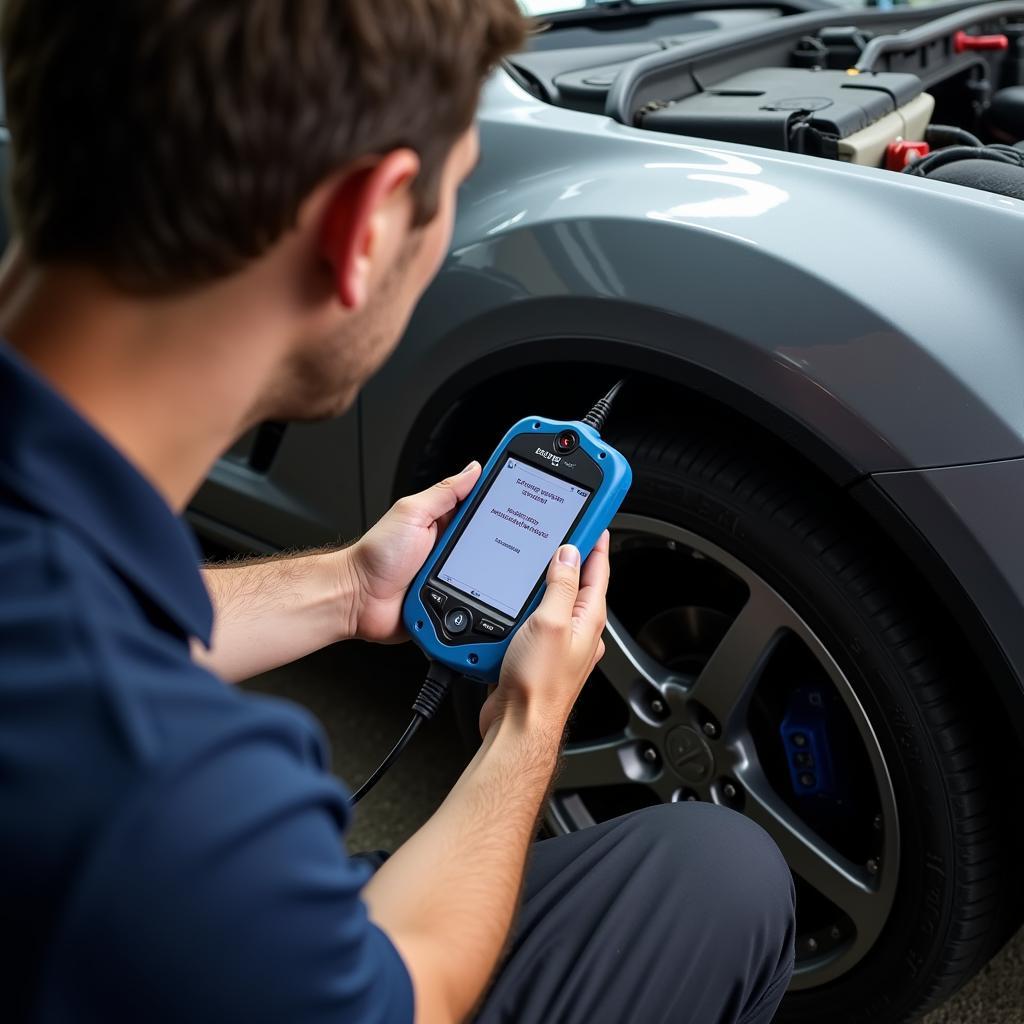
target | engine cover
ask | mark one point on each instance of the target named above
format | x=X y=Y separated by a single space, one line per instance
x=798 y=109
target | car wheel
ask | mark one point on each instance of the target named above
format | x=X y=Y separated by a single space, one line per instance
x=765 y=652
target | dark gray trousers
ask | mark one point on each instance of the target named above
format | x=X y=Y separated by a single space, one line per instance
x=681 y=913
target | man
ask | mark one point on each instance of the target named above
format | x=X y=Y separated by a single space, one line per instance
x=225 y=213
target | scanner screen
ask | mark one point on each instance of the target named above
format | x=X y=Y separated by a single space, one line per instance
x=507 y=545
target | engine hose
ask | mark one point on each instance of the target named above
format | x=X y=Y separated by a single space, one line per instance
x=952 y=154
x=1016 y=151
x=939 y=135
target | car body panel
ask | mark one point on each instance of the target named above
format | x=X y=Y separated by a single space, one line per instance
x=965 y=515
x=310 y=495
x=867 y=353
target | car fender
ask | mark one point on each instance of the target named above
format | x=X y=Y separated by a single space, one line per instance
x=880 y=314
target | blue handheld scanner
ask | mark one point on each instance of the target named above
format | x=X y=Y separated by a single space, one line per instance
x=548 y=483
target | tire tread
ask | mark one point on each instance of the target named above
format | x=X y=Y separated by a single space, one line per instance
x=831 y=529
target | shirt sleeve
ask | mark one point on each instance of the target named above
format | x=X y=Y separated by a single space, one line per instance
x=224 y=893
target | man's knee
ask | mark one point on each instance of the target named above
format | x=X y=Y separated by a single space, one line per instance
x=717 y=864
x=693 y=899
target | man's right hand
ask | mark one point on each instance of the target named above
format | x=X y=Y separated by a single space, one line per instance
x=556 y=649
x=447 y=897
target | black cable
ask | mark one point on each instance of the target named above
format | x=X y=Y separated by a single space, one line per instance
x=939 y=135
x=953 y=154
x=599 y=413
x=1014 y=152
x=396 y=752
x=428 y=700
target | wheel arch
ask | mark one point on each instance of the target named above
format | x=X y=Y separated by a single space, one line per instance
x=563 y=375
x=574 y=369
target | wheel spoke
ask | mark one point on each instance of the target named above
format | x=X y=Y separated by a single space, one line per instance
x=596 y=764
x=727 y=680
x=666 y=786
x=850 y=886
x=625 y=663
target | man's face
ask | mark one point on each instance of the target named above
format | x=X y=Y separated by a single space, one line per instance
x=332 y=363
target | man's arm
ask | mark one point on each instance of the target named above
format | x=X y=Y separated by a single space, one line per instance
x=270 y=611
x=447 y=897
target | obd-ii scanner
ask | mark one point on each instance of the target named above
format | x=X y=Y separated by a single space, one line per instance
x=547 y=483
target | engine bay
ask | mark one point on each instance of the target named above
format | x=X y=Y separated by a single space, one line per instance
x=935 y=91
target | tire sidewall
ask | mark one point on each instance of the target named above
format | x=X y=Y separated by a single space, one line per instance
x=892 y=978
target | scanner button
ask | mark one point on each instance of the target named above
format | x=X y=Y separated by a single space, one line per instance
x=457 y=621
x=435 y=597
x=489 y=628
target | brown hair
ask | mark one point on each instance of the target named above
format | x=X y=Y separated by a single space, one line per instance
x=169 y=142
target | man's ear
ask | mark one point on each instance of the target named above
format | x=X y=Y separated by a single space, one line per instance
x=366 y=220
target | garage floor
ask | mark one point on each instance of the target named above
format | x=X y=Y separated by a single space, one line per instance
x=362 y=693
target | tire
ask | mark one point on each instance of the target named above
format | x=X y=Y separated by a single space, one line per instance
x=890 y=655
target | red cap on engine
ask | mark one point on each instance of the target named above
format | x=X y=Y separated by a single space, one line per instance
x=962 y=42
x=901 y=153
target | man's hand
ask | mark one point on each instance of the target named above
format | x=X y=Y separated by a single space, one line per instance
x=556 y=649
x=270 y=611
x=385 y=560
x=447 y=897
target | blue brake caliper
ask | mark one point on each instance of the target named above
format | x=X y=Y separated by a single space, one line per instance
x=809 y=751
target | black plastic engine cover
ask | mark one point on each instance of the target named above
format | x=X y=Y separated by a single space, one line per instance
x=762 y=107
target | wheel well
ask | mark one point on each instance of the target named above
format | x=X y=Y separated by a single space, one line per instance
x=564 y=376
x=468 y=422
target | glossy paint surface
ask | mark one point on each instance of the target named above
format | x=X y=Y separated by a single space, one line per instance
x=881 y=312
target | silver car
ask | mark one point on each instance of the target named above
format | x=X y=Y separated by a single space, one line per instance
x=796 y=228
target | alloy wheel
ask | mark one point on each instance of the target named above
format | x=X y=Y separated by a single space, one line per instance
x=693 y=691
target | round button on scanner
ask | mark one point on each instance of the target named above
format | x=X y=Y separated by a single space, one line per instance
x=567 y=441
x=457 y=621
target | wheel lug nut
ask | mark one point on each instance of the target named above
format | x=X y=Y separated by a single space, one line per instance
x=711 y=730
x=812 y=944
x=877 y=822
x=650 y=755
x=834 y=932
x=872 y=866
x=681 y=795
x=658 y=706
x=729 y=791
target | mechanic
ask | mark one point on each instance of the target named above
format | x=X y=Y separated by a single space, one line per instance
x=225 y=212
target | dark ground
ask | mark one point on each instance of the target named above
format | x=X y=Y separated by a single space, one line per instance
x=361 y=694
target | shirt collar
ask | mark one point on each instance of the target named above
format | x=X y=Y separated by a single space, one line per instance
x=51 y=458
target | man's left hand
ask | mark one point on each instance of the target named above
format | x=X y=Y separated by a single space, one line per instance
x=385 y=560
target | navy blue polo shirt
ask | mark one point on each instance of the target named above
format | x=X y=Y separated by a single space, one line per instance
x=171 y=849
